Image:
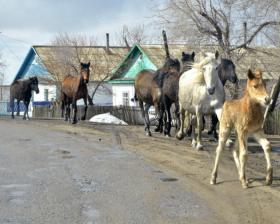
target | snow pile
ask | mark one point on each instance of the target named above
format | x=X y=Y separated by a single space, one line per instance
x=107 y=118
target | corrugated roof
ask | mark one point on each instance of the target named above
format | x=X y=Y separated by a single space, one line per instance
x=266 y=59
x=57 y=59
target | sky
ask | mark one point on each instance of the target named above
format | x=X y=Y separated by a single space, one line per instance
x=24 y=23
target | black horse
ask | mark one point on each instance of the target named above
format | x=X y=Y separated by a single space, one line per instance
x=169 y=85
x=22 y=90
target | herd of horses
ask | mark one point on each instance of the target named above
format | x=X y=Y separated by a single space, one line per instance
x=196 y=89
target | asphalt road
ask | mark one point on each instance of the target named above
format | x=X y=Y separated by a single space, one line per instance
x=58 y=176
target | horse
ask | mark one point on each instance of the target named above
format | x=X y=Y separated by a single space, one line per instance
x=169 y=84
x=74 y=88
x=148 y=92
x=200 y=93
x=246 y=116
x=22 y=90
x=226 y=72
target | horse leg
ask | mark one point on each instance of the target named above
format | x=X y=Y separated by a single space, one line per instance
x=74 y=108
x=224 y=134
x=18 y=108
x=177 y=114
x=25 y=115
x=12 y=107
x=86 y=107
x=193 y=125
x=199 y=118
x=141 y=105
x=180 y=133
x=147 y=107
x=169 y=118
x=260 y=138
x=214 y=122
x=218 y=112
x=68 y=112
x=242 y=140
x=62 y=104
x=158 y=127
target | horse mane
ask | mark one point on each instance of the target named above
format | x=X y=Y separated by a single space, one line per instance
x=207 y=58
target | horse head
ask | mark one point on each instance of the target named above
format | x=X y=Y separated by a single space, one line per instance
x=227 y=71
x=171 y=65
x=85 y=71
x=209 y=68
x=187 y=60
x=256 y=87
x=34 y=84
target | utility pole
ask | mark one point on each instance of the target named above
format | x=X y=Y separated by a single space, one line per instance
x=245 y=33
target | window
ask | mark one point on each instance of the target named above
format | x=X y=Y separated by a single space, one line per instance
x=46 y=94
x=125 y=97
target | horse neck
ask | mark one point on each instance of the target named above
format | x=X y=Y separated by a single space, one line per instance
x=222 y=77
x=252 y=107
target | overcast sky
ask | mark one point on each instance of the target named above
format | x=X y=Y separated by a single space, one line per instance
x=24 y=23
x=37 y=21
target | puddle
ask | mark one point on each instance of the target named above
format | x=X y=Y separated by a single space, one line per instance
x=68 y=157
x=168 y=179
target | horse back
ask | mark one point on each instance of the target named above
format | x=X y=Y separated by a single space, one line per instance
x=146 y=89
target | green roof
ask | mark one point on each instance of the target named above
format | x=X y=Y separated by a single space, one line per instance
x=135 y=61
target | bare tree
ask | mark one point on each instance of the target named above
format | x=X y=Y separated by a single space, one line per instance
x=68 y=51
x=132 y=35
x=220 y=21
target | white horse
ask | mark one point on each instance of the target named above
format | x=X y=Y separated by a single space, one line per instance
x=201 y=92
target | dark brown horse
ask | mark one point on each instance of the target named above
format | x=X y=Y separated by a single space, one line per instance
x=148 y=93
x=74 y=88
x=22 y=90
x=169 y=84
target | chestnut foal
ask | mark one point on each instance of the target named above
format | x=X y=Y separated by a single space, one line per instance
x=246 y=116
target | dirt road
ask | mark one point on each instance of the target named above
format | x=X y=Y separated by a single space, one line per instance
x=52 y=172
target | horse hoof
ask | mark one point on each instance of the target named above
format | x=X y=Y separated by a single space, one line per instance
x=199 y=147
x=213 y=181
x=83 y=118
x=157 y=129
x=167 y=136
x=229 y=143
x=149 y=134
x=179 y=136
x=74 y=122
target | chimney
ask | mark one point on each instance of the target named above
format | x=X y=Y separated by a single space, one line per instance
x=107 y=43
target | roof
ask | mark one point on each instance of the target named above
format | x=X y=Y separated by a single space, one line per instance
x=135 y=61
x=265 y=58
x=121 y=64
x=58 y=58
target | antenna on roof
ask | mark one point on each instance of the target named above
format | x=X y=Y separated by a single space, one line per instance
x=165 y=44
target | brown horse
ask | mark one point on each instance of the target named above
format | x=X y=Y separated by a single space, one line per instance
x=246 y=116
x=74 y=88
x=148 y=91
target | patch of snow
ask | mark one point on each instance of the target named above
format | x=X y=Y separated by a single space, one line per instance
x=107 y=118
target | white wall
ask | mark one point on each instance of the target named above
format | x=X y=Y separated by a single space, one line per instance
x=41 y=97
x=118 y=90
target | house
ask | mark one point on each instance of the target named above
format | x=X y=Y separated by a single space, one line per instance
x=51 y=63
x=153 y=57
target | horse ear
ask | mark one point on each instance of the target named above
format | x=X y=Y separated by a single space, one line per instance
x=217 y=55
x=250 y=74
x=193 y=55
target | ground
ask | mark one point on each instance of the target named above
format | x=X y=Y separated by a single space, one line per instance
x=54 y=172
